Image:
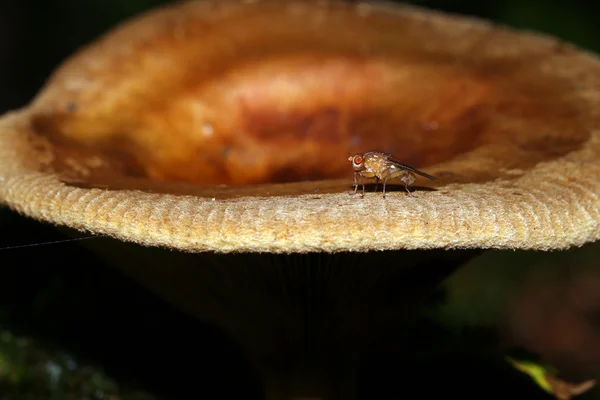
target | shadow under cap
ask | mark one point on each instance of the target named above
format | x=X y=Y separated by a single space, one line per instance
x=226 y=126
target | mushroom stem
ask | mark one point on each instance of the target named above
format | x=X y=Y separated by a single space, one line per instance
x=304 y=319
x=316 y=383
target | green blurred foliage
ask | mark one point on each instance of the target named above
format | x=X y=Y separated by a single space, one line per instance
x=31 y=370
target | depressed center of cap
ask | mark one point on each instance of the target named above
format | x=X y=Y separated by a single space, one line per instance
x=268 y=93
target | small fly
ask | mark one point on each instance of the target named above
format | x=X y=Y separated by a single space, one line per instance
x=382 y=167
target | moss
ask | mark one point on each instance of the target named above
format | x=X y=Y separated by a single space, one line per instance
x=32 y=370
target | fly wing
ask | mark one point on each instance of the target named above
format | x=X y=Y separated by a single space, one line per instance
x=411 y=169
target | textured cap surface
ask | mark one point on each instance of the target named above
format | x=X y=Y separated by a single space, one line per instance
x=226 y=126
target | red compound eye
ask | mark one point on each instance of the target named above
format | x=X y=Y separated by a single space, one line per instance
x=358 y=160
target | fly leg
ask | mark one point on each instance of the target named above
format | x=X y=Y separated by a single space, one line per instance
x=384 y=182
x=389 y=173
x=359 y=178
x=408 y=180
x=363 y=185
x=407 y=190
x=358 y=182
x=355 y=183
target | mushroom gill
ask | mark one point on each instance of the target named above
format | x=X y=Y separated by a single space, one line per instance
x=227 y=126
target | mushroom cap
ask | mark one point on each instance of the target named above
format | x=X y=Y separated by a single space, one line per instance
x=227 y=125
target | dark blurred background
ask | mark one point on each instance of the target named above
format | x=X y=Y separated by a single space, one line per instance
x=35 y=36
x=549 y=303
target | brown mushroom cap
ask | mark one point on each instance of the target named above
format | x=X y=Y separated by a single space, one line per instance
x=227 y=126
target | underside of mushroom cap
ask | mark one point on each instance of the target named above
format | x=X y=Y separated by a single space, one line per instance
x=227 y=126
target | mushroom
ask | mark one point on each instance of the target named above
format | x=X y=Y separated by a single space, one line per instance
x=224 y=127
